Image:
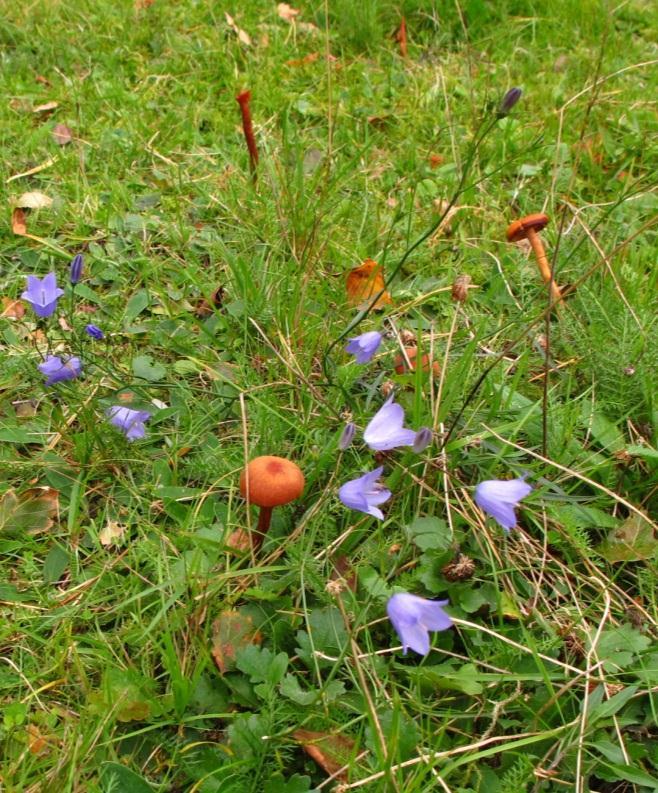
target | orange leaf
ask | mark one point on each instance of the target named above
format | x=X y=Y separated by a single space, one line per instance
x=330 y=752
x=18 y=222
x=287 y=12
x=364 y=282
x=12 y=309
x=232 y=631
x=310 y=58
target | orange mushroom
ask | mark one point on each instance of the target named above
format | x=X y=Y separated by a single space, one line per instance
x=268 y=482
x=411 y=353
x=529 y=228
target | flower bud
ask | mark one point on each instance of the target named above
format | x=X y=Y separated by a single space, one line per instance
x=76 y=269
x=422 y=440
x=94 y=331
x=508 y=101
x=347 y=436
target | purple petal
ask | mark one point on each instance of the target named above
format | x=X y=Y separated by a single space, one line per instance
x=415 y=637
x=364 y=346
x=498 y=498
x=385 y=429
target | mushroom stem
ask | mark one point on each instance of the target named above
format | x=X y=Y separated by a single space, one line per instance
x=263 y=527
x=542 y=262
x=243 y=100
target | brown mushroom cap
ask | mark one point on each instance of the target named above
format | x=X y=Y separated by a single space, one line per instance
x=272 y=481
x=518 y=230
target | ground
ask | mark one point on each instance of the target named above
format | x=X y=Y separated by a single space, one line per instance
x=140 y=649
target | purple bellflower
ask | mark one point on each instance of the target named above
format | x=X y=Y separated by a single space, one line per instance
x=130 y=422
x=75 y=273
x=94 y=331
x=347 y=436
x=422 y=440
x=498 y=498
x=365 y=493
x=364 y=346
x=508 y=101
x=57 y=370
x=43 y=294
x=414 y=617
x=385 y=430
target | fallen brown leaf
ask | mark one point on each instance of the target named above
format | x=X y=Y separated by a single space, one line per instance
x=37 y=742
x=111 y=534
x=330 y=752
x=42 y=80
x=25 y=408
x=18 y=222
x=364 y=282
x=242 y=35
x=310 y=58
x=46 y=109
x=33 y=510
x=12 y=309
x=62 y=134
x=286 y=12
x=232 y=631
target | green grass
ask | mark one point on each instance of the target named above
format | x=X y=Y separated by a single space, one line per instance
x=107 y=675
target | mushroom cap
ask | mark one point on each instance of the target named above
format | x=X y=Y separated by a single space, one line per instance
x=518 y=230
x=401 y=366
x=272 y=481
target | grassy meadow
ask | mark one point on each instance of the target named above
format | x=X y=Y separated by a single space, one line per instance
x=145 y=644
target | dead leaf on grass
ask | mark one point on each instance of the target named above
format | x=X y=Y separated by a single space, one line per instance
x=34 y=200
x=19 y=222
x=33 y=510
x=286 y=12
x=62 y=134
x=25 y=408
x=46 y=109
x=364 y=282
x=232 y=631
x=111 y=534
x=330 y=752
x=310 y=58
x=242 y=35
x=12 y=309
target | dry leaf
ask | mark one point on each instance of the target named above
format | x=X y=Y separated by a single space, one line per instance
x=232 y=631
x=32 y=510
x=37 y=742
x=242 y=35
x=111 y=534
x=330 y=752
x=286 y=12
x=62 y=134
x=310 y=58
x=25 y=408
x=12 y=309
x=239 y=540
x=34 y=200
x=46 y=109
x=42 y=80
x=308 y=27
x=364 y=282
x=18 y=222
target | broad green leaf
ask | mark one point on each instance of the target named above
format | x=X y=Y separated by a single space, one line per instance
x=632 y=774
x=146 y=369
x=446 y=677
x=261 y=664
x=430 y=533
x=232 y=631
x=117 y=778
x=295 y=784
x=618 y=646
x=55 y=563
x=137 y=303
x=608 y=707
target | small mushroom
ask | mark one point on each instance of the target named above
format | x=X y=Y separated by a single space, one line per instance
x=529 y=228
x=270 y=481
x=407 y=362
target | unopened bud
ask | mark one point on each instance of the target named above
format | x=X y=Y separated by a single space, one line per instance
x=387 y=388
x=422 y=440
x=76 y=269
x=460 y=288
x=508 y=101
x=347 y=436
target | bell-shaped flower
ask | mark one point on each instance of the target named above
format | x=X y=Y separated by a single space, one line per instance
x=75 y=271
x=57 y=370
x=414 y=617
x=347 y=436
x=498 y=498
x=43 y=294
x=385 y=430
x=130 y=422
x=365 y=493
x=94 y=331
x=364 y=346
x=422 y=440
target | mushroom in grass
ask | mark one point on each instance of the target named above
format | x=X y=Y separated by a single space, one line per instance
x=408 y=361
x=529 y=228
x=270 y=481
